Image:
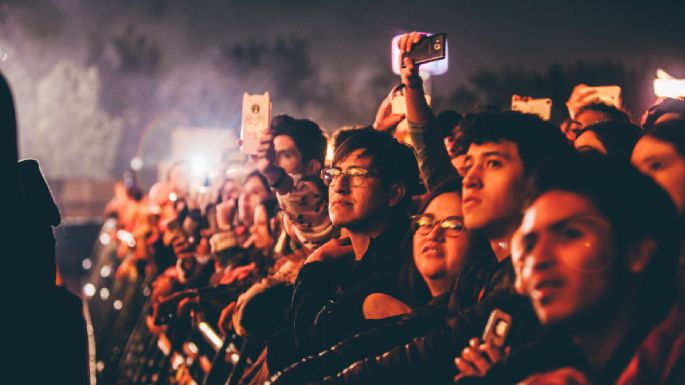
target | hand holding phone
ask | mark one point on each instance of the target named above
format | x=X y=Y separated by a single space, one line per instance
x=583 y=95
x=427 y=49
x=417 y=48
x=481 y=354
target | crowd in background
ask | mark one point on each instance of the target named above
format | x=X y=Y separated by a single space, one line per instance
x=384 y=263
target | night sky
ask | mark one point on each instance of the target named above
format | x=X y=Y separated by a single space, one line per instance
x=345 y=38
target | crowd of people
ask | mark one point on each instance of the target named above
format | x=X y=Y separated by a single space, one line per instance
x=491 y=247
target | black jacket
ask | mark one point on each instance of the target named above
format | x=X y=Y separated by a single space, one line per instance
x=327 y=299
x=420 y=347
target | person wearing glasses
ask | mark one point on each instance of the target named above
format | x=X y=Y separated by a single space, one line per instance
x=441 y=244
x=342 y=286
x=502 y=150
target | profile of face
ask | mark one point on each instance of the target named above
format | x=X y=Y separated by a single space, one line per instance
x=589 y=141
x=493 y=186
x=564 y=257
x=440 y=254
x=661 y=161
x=357 y=206
x=288 y=156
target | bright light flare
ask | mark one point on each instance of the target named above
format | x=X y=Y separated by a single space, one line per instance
x=200 y=166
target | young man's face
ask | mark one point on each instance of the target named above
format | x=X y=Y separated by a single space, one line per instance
x=493 y=187
x=354 y=207
x=288 y=156
x=564 y=258
x=661 y=161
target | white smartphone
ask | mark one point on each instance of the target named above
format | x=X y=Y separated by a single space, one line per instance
x=540 y=107
x=256 y=119
x=610 y=95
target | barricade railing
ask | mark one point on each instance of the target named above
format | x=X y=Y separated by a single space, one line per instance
x=128 y=353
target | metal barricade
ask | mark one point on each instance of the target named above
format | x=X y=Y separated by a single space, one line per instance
x=126 y=352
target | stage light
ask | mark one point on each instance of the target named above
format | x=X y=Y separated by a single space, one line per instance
x=200 y=166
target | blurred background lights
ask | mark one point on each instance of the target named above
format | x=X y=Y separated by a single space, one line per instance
x=89 y=290
x=104 y=293
x=104 y=238
x=105 y=271
x=136 y=163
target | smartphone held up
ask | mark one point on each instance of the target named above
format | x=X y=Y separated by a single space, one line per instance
x=429 y=48
x=541 y=107
x=255 y=121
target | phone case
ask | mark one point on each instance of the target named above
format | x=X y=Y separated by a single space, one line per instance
x=540 y=107
x=429 y=49
x=610 y=95
x=256 y=119
x=497 y=328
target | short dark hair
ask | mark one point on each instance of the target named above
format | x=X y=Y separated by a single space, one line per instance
x=536 y=140
x=673 y=132
x=618 y=137
x=347 y=131
x=307 y=135
x=636 y=207
x=611 y=112
x=666 y=106
x=447 y=120
x=394 y=162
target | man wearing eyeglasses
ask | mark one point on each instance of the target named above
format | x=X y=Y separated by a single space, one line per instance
x=339 y=288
